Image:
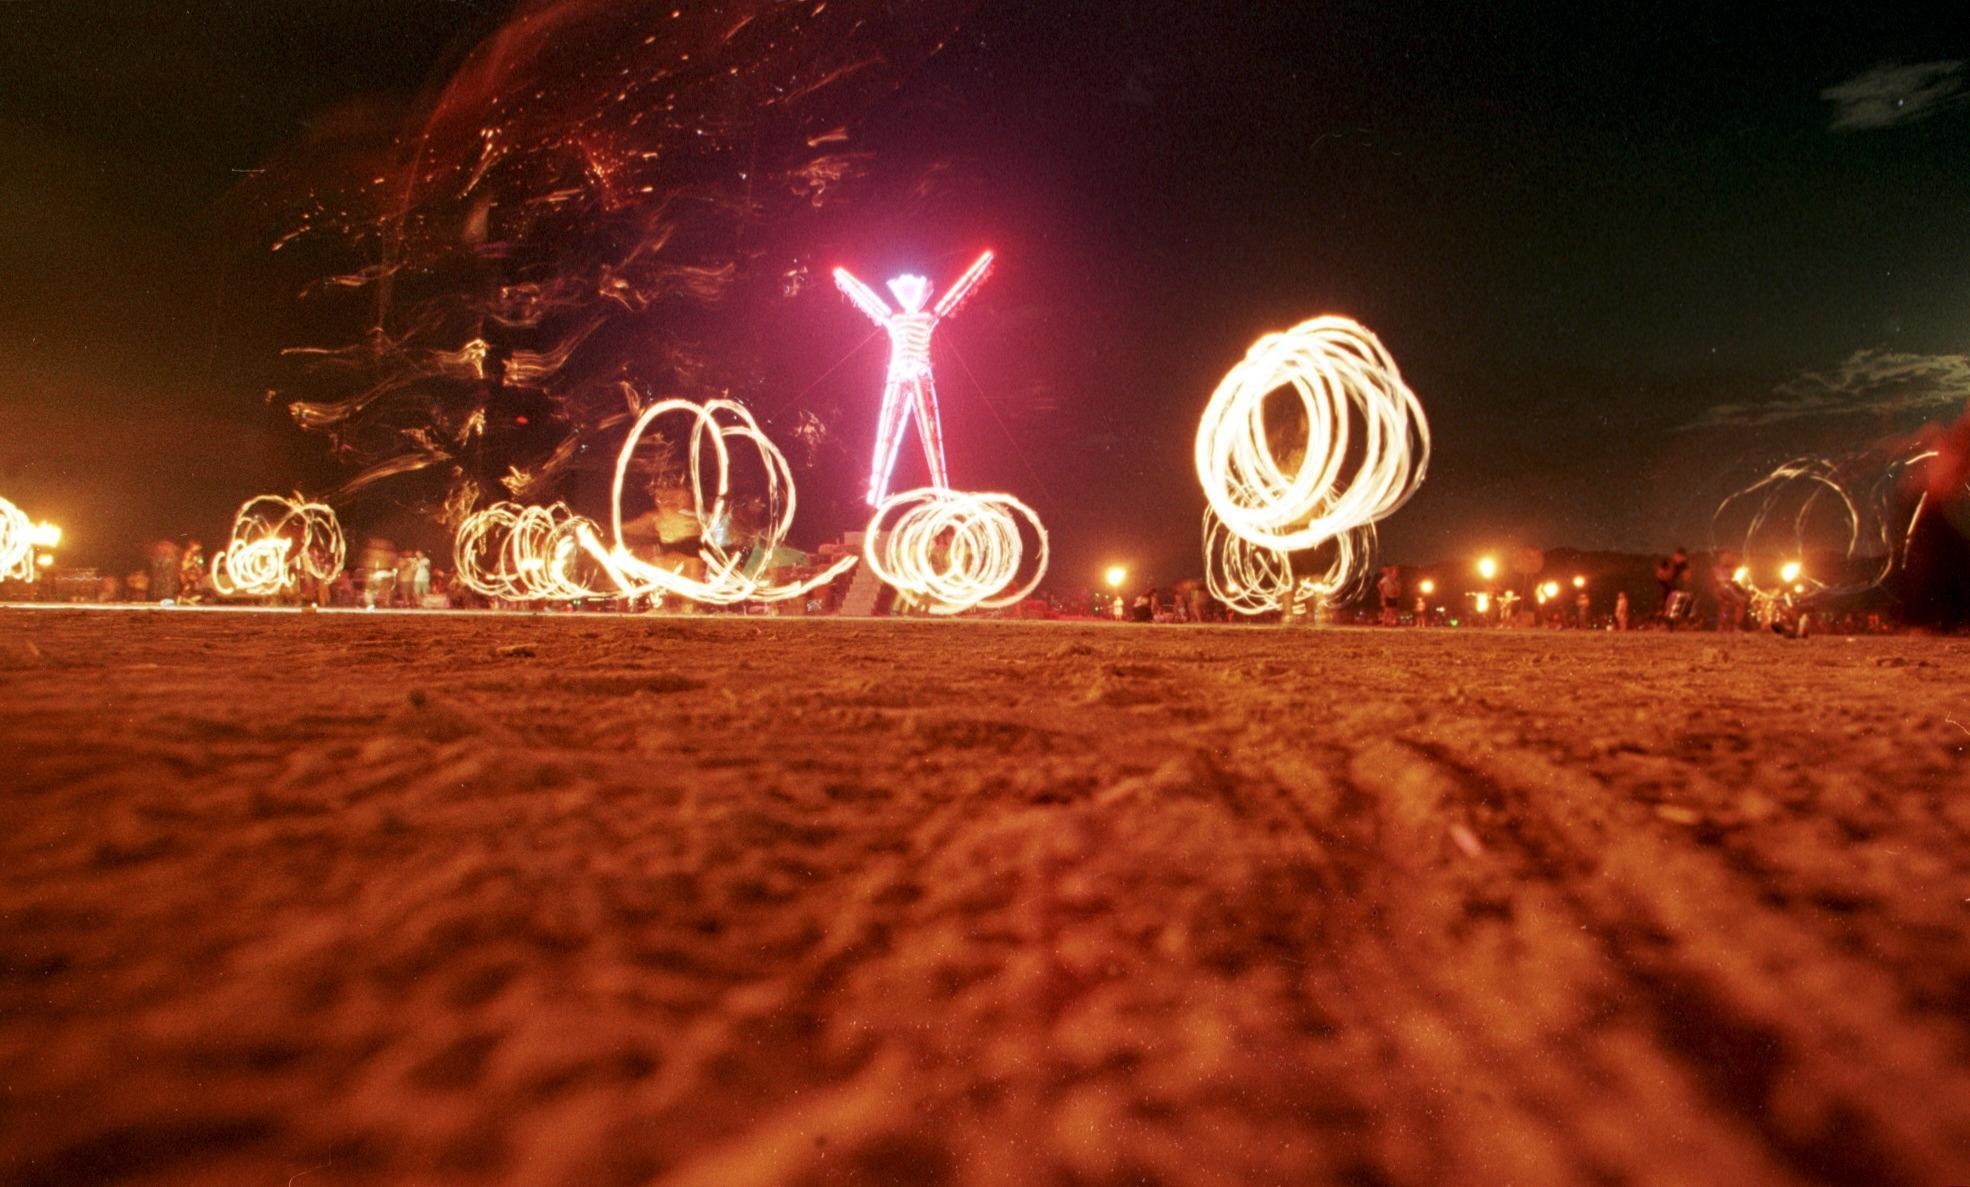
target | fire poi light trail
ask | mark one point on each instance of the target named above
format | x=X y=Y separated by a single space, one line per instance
x=523 y=554
x=714 y=424
x=1253 y=579
x=1341 y=374
x=909 y=391
x=1821 y=505
x=1248 y=578
x=954 y=550
x=275 y=542
x=19 y=538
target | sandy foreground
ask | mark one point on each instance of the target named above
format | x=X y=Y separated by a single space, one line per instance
x=346 y=899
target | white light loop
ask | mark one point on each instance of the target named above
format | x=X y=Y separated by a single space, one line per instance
x=275 y=542
x=714 y=424
x=523 y=553
x=1247 y=578
x=955 y=550
x=16 y=544
x=1253 y=579
x=1341 y=374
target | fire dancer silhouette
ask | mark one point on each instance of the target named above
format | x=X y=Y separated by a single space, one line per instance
x=909 y=388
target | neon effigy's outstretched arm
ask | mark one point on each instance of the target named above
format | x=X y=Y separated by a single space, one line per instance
x=865 y=298
x=963 y=286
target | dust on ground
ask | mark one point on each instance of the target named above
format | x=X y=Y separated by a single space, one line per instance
x=343 y=899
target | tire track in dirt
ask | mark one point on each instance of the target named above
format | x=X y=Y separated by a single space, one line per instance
x=1757 y=1009
x=558 y=900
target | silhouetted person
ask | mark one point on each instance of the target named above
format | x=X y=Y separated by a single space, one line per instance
x=1731 y=597
x=164 y=561
x=1935 y=579
x=1390 y=588
x=1670 y=573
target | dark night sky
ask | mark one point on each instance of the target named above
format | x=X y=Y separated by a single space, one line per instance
x=1626 y=258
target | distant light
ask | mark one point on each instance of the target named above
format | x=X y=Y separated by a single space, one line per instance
x=1115 y=576
x=1487 y=567
x=1580 y=583
x=1741 y=574
x=1790 y=572
x=1426 y=587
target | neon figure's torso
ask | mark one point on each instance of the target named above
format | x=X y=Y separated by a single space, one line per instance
x=909 y=344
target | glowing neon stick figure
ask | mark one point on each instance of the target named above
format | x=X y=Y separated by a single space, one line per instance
x=909 y=387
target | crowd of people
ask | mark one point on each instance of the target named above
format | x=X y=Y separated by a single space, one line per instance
x=382 y=576
x=180 y=573
x=1681 y=601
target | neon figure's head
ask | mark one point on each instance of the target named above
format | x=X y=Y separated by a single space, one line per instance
x=911 y=292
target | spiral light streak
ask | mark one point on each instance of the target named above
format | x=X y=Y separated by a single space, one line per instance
x=1248 y=578
x=523 y=553
x=275 y=542
x=1811 y=504
x=714 y=425
x=1346 y=575
x=955 y=550
x=1345 y=480
x=1339 y=372
x=1253 y=579
x=16 y=544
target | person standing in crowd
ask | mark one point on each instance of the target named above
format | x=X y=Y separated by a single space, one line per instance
x=407 y=578
x=1731 y=597
x=1583 y=609
x=379 y=569
x=1670 y=574
x=420 y=582
x=191 y=571
x=1621 y=611
x=1390 y=588
x=164 y=561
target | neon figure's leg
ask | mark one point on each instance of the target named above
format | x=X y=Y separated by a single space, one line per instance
x=930 y=428
x=896 y=403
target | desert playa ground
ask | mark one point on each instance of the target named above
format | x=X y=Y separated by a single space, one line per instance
x=342 y=899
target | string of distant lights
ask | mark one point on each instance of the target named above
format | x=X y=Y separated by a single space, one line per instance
x=275 y=542
x=523 y=553
x=954 y=551
x=714 y=424
x=21 y=540
x=1341 y=375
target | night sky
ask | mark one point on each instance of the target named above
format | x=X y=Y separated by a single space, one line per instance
x=1628 y=259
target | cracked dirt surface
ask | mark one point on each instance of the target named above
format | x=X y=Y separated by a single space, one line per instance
x=336 y=899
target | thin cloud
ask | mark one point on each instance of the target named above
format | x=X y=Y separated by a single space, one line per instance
x=1869 y=382
x=1893 y=94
